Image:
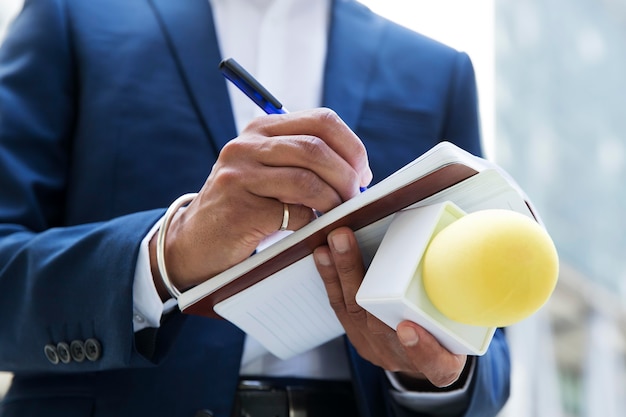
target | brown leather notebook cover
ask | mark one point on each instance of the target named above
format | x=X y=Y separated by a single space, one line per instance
x=413 y=192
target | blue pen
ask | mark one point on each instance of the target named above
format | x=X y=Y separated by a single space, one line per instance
x=237 y=74
x=251 y=87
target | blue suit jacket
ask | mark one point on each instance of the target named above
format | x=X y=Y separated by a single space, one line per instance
x=111 y=109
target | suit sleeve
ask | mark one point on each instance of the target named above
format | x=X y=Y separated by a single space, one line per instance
x=461 y=124
x=59 y=283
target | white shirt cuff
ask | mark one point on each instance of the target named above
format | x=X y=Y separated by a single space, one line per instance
x=430 y=401
x=147 y=305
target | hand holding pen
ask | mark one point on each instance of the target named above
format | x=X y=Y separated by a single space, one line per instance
x=243 y=80
x=268 y=178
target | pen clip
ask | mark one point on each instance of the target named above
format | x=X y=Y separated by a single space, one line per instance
x=251 y=87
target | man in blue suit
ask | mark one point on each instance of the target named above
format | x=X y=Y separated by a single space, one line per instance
x=109 y=110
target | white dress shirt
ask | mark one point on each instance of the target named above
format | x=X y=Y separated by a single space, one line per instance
x=283 y=44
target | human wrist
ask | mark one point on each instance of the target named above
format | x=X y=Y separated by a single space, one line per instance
x=164 y=278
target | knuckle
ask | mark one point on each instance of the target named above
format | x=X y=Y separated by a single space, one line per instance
x=227 y=177
x=328 y=116
x=231 y=148
x=337 y=305
x=354 y=310
x=236 y=148
x=256 y=124
x=347 y=268
x=313 y=147
x=307 y=182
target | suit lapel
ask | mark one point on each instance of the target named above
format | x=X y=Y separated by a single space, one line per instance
x=190 y=33
x=353 y=41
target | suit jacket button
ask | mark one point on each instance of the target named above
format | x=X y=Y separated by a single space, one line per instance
x=51 y=354
x=204 y=413
x=77 y=350
x=93 y=350
x=63 y=350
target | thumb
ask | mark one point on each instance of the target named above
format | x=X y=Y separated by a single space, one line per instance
x=441 y=367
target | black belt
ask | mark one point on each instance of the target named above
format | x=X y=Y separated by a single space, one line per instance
x=294 y=397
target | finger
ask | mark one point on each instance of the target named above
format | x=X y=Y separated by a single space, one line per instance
x=349 y=264
x=295 y=186
x=294 y=216
x=291 y=181
x=327 y=125
x=311 y=153
x=326 y=267
x=428 y=356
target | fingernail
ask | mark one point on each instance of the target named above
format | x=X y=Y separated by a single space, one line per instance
x=322 y=258
x=340 y=242
x=408 y=336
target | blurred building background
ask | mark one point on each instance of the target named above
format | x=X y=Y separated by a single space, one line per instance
x=553 y=100
x=561 y=132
